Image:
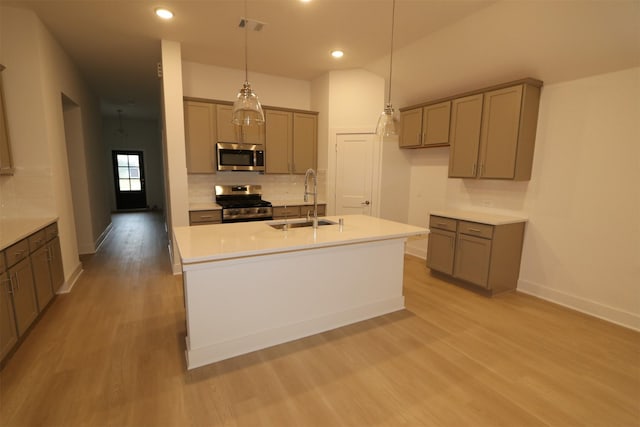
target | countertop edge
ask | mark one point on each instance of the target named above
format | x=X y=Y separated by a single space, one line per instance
x=480 y=217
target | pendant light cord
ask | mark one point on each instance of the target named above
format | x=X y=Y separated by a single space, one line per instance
x=393 y=21
x=246 y=45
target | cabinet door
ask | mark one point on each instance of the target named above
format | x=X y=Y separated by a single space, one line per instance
x=55 y=264
x=228 y=132
x=440 y=252
x=42 y=276
x=8 y=332
x=200 y=137
x=305 y=142
x=499 y=138
x=24 y=295
x=411 y=128
x=6 y=162
x=435 y=124
x=279 y=141
x=466 y=116
x=473 y=255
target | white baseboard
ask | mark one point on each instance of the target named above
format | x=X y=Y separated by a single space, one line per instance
x=71 y=281
x=583 y=305
x=417 y=252
x=96 y=245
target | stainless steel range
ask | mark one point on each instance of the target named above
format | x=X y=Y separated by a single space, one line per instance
x=243 y=203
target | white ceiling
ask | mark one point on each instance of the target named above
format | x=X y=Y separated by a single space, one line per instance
x=452 y=43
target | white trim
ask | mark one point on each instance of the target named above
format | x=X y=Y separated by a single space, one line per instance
x=583 y=305
x=70 y=283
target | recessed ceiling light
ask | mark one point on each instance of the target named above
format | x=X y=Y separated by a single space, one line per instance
x=337 y=53
x=305 y=1
x=164 y=13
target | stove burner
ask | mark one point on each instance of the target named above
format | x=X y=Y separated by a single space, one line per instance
x=242 y=203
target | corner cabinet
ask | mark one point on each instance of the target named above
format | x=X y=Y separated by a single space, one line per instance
x=425 y=127
x=485 y=254
x=291 y=141
x=493 y=133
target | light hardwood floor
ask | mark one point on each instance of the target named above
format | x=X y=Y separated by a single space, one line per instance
x=111 y=353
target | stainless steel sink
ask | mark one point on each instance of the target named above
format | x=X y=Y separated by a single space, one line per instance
x=299 y=224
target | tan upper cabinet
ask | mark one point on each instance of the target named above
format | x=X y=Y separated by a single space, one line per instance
x=493 y=134
x=507 y=141
x=305 y=142
x=200 y=136
x=410 y=128
x=466 y=120
x=228 y=132
x=278 y=141
x=291 y=141
x=425 y=127
x=6 y=161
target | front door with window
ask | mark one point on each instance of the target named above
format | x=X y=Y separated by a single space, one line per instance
x=128 y=167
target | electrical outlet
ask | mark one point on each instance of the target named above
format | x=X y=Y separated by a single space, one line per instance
x=487 y=203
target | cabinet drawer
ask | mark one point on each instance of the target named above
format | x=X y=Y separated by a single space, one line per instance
x=288 y=211
x=37 y=240
x=442 y=223
x=51 y=231
x=204 y=217
x=3 y=264
x=476 y=229
x=322 y=210
x=17 y=252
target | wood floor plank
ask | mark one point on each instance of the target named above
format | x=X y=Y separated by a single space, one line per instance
x=112 y=353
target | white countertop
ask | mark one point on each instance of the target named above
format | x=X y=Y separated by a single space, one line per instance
x=217 y=242
x=12 y=230
x=204 y=206
x=283 y=202
x=483 y=218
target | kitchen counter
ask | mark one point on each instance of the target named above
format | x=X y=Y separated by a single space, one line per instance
x=13 y=230
x=483 y=218
x=249 y=286
x=210 y=206
x=238 y=240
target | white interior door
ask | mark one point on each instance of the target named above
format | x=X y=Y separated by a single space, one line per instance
x=354 y=173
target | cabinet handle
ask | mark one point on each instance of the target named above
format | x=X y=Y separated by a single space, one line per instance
x=482 y=169
x=206 y=216
x=18 y=254
x=419 y=138
x=475 y=230
x=473 y=170
x=442 y=223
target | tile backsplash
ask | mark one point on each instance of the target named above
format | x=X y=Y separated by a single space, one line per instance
x=274 y=187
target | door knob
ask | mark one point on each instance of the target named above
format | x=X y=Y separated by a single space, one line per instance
x=366 y=203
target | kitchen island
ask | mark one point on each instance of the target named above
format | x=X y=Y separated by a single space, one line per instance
x=249 y=286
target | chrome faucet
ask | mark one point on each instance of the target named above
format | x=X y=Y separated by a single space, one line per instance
x=311 y=172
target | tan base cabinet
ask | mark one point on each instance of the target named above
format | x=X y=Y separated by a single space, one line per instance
x=8 y=332
x=297 y=211
x=34 y=273
x=485 y=255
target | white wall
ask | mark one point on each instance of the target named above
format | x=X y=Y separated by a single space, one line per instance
x=176 y=185
x=582 y=241
x=141 y=135
x=38 y=74
x=219 y=83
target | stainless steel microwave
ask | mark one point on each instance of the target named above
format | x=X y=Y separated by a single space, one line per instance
x=235 y=156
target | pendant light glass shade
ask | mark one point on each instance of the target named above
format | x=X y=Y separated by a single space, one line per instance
x=387 y=121
x=247 y=109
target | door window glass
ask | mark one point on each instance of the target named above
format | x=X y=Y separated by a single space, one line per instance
x=129 y=172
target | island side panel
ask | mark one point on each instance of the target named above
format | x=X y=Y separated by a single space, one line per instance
x=242 y=305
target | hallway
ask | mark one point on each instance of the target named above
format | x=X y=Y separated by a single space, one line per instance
x=111 y=353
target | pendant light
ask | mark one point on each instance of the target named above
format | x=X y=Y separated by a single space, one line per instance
x=247 y=110
x=386 y=122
